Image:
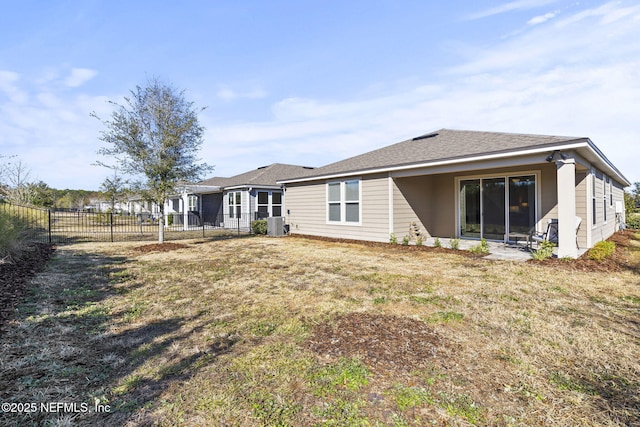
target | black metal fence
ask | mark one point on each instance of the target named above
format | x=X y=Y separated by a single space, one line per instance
x=67 y=226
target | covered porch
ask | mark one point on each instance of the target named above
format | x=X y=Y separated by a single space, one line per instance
x=500 y=200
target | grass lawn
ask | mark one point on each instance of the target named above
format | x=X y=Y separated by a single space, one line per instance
x=291 y=331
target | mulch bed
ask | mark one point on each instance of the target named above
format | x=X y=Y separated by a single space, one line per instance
x=382 y=342
x=618 y=261
x=388 y=246
x=15 y=276
x=160 y=247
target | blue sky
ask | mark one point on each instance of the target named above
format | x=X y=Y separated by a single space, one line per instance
x=313 y=82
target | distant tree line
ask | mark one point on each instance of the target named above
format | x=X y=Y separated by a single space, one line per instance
x=16 y=186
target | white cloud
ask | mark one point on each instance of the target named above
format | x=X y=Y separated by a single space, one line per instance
x=542 y=18
x=510 y=7
x=79 y=76
x=556 y=79
x=9 y=85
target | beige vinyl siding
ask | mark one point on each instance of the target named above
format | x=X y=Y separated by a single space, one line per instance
x=601 y=230
x=583 y=201
x=597 y=229
x=306 y=205
x=410 y=195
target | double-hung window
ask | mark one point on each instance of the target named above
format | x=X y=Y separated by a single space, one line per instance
x=343 y=202
x=269 y=204
x=235 y=204
x=193 y=203
x=276 y=203
x=263 y=204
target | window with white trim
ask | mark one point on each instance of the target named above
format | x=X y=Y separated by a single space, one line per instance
x=276 y=203
x=192 y=202
x=235 y=204
x=343 y=202
x=269 y=203
x=610 y=184
x=263 y=204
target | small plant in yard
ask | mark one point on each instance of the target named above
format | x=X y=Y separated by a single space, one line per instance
x=454 y=244
x=437 y=243
x=602 y=250
x=482 y=248
x=393 y=239
x=405 y=240
x=410 y=397
x=419 y=241
x=349 y=374
x=259 y=226
x=544 y=251
x=462 y=406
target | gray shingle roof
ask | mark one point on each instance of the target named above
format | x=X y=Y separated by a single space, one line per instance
x=265 y=175
x=444 y=144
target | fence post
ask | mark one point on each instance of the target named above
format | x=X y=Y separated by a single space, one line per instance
x=111 y=223
x=49 y=214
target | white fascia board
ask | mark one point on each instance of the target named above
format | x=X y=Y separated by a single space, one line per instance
x=254 y=187
x=442 y=162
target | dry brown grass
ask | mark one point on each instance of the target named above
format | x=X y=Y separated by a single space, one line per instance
x=223 y=333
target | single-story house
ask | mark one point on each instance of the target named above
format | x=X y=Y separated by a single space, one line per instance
x=467 y=185
x=233 y=202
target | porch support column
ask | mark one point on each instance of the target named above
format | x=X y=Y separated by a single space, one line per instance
x=566 y=176
x=185 y=212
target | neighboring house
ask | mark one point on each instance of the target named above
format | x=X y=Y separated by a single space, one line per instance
x=105 y=206
x=236 y=201
x=135 y=205
x=464 y=184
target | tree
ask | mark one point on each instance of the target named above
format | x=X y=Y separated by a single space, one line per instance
x=114 y=190
x=41 y=194
x=155 y=136
x=16 y=186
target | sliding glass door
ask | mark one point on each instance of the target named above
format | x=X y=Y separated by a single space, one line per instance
x=470 y=208
x=493 y=204
x=522 y=203
x=491 y=208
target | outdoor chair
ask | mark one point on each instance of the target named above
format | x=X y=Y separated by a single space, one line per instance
x=550 y=234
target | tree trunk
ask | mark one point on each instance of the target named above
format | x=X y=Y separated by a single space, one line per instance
x=161 y=226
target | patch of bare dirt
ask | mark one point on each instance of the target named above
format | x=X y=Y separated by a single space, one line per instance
x=15 y=276
x=160 y=247
x=382 y=342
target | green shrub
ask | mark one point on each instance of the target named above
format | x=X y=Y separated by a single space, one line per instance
x=419 y=240
x=12 y=233
x=259 y=226
x=544 y=251
x=393 y=239
x=633 y=221
x=405 y=240
x=455 y=244
x=437 y=243
x=602 y=250
x=482 y=248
